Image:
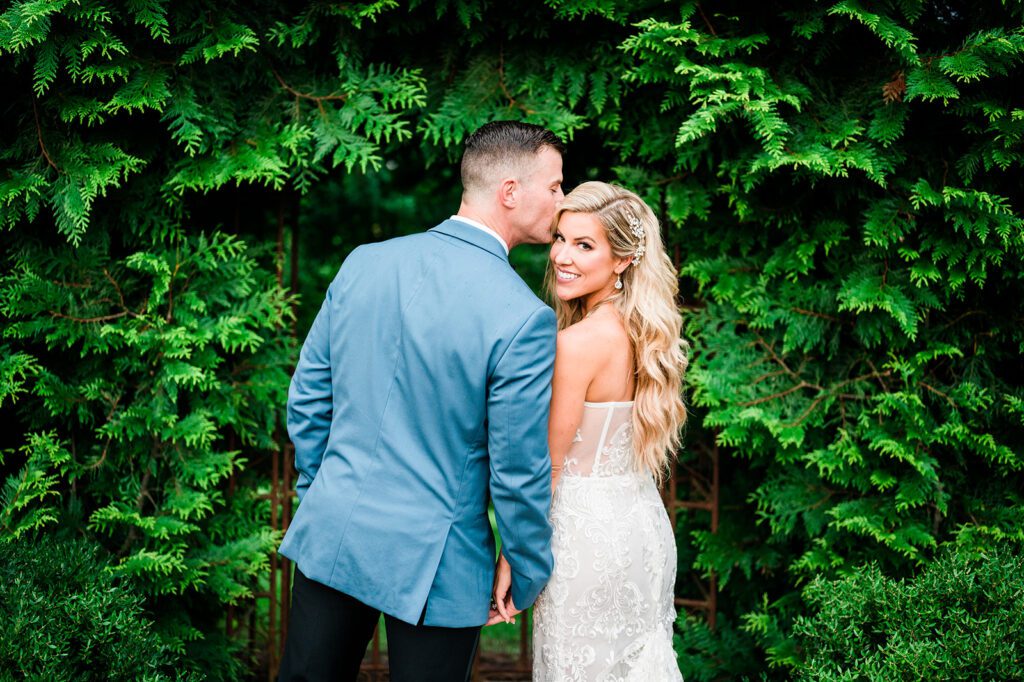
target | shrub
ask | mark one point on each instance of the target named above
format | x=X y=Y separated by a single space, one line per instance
x=959 y=618
x=66 y=617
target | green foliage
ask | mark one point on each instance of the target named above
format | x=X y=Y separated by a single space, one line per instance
x=851 y=347
x=173 y=346
x=706 y=655
x=66 y=617
x=302 y=123
x=959 y=618
x=839 y=182
x=27 y=500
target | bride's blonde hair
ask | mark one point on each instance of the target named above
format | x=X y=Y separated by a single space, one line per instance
x=649 y=311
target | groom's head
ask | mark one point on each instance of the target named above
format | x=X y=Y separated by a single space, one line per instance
x=515 y=170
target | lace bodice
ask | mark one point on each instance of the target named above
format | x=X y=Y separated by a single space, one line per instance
x=604 y=441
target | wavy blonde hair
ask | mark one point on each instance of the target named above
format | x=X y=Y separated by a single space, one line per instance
x=647 y=303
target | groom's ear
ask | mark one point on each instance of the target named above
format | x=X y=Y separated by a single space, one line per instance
x=508 y=192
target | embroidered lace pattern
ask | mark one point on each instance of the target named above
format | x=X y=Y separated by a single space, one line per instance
x=607 y=613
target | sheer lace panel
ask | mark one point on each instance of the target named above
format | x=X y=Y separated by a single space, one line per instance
x=604 y=444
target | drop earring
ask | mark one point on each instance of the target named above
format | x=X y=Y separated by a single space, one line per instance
x=618 y=281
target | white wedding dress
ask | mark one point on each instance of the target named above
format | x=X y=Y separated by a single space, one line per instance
x=607 y=613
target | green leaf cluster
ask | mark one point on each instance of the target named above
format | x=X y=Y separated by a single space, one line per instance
x=959 y=618
x=67 y=617
x=198 y=68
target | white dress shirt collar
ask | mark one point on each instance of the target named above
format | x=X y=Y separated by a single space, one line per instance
x=481 y=226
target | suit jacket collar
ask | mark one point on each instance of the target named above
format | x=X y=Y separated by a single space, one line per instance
x=472 y=235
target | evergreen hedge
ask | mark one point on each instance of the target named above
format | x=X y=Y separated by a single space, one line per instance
x=840 y=181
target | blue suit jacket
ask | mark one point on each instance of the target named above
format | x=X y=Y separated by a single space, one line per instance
x=424 y=385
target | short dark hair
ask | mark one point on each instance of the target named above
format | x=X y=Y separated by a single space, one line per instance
x=502 y=145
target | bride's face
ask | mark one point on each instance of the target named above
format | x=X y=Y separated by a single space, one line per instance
x=585 y=266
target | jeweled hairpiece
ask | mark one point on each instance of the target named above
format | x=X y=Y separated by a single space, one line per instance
x=638 y=231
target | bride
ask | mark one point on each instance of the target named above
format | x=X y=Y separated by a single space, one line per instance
x=616 y=412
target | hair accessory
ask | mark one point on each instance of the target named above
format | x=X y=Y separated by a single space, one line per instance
x=638 y=232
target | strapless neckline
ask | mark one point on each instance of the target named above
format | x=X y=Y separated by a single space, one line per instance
x=619 y=403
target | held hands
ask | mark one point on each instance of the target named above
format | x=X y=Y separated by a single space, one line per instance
x=503 y=610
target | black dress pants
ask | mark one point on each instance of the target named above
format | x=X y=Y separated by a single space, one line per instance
x=328 y=632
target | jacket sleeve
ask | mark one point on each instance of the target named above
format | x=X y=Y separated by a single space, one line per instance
x=519 y=398
x=310 y=399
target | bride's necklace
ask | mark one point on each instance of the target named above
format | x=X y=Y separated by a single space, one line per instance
x=600 y=303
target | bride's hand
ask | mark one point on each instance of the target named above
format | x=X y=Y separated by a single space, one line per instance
x=502 y=608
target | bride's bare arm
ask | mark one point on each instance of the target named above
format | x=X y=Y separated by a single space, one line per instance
x=574 y=370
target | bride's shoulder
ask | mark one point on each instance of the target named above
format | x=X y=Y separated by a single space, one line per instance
x=592 y=337
x=571 y=340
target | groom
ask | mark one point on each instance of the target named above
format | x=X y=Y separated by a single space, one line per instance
x=422 y=389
